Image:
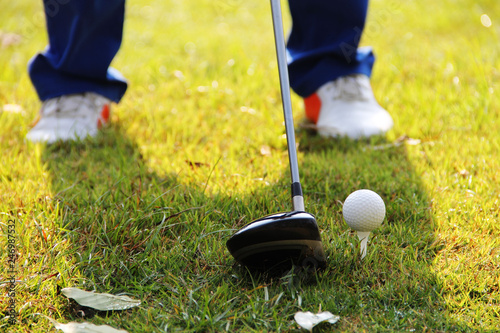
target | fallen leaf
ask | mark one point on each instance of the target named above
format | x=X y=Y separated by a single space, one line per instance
x=98 y=301
x=9 y=38
x=308 y=319
x=247 y=110
x=84 y=327
x=12 y=108
x=265 y=150
x=398 y=142
x=195 y=165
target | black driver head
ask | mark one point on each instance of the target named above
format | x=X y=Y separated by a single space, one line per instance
x=279 y=241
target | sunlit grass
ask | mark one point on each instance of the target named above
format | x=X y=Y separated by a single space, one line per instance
x=196 y=150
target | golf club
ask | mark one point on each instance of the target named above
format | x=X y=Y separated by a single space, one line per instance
x=284 y=239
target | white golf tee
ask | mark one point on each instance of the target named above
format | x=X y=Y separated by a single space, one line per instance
x=363 y=238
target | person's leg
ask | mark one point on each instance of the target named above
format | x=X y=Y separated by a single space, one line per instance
x=330 y=71
x=84 y=36
x=72 y=76
x=323 y=43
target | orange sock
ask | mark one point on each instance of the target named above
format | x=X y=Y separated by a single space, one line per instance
x=312 y=105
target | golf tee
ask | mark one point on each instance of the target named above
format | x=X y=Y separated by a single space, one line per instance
x=363 y=237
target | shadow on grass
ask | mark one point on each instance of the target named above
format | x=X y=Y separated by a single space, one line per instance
x=131 y=230
x=153 y=237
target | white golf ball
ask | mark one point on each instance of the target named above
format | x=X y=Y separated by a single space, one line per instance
x=364 y=210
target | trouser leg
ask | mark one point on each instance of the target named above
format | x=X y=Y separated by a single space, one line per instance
x=323 y=43
x=84 y=36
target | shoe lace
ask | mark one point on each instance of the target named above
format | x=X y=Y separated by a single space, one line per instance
x=351 y=88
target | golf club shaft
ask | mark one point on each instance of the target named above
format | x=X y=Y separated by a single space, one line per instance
x=297 y=198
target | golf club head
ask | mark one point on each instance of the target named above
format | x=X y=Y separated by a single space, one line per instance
x=279 y=241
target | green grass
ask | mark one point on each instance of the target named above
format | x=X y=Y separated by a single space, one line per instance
x=145 y=208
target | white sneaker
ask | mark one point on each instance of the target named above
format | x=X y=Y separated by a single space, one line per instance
x=347 y=107
x=70 y=117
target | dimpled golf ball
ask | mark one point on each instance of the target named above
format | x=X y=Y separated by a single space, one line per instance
x=364 y=210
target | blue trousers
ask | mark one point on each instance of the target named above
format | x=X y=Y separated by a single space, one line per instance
x=85 y=35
